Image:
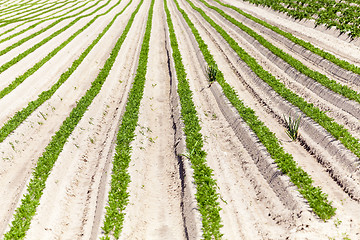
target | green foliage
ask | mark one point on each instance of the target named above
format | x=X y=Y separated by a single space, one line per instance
x=22 y=55
x=292 y=127
x=206 y=196
x=118 y=195
x=332 y=13
x=335 y=129
x=44 y=20
x=320 y=78
x=30 y=201
x=317 y=199
x=341 y=63
x=21 y=115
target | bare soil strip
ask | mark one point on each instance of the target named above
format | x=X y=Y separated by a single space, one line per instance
x=155 y=187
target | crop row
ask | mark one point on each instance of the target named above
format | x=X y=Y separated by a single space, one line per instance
x=19 y=7
x=21 y=115
x=206 y=196
x=42 y=42
x=307 y=45
x=18 y=80
x=28 y=9
x=316 y=198
x=335 y=129
x=10 y=7
x=296 y=64
x=30 y=200
x=343 y=15
x=120 y=178
x=40 y=15
x=44 y=20
x=40 y=12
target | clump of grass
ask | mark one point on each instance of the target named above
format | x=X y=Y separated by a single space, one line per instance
x=211 y=72
x=293 y=127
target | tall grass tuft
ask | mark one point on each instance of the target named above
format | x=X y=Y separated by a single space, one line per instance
x=292 y=127
x=211 y=72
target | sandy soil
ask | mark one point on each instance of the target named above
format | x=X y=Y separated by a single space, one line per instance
x=155 y=182
x=255 y=204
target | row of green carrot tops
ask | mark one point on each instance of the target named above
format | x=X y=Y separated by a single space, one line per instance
x=340 y=14
x=293 y=62
x=335 y=129
x=206 y=196
x=45 y=19
x=25 y=212
x=18 y=80
x=118 y=196
x=317 y=199
x=21 y=115
x=307 y=45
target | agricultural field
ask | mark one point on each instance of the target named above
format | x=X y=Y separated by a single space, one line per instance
x=179 y=119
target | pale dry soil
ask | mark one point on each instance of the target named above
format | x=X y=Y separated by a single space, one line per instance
x=73 y=203
x=154 y=209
